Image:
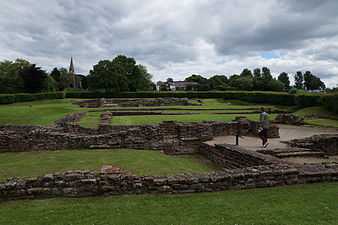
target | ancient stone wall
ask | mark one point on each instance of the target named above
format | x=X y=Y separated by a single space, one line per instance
x=112 y=182
x=170 y=136
x=289 y=119
x=81 y=183
x=102 y=102
x=231 y=156
x=327 y=143
x=150 y=102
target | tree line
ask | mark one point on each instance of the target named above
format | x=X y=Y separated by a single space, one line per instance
x=256 y=80
x=123 y=74
x=120 y=74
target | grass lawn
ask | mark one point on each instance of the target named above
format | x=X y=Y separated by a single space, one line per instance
x=42 y=113
x=91 y=119
x=315 y=204
x=31 y=164
x=318 y=110
x=152 y=119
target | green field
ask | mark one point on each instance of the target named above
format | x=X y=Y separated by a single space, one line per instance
x=42 y=113
x=331 y=121
x=315 y=204
x=139 y=162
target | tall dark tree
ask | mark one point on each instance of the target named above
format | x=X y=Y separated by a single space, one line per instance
x=246 y=73
x=120 y=74
x=10 y=79
x=274 y=85
x=266 y=74
x=312 y=82
x=257 y=73
x=34 y=78
x=284 y=78
x=218 y=82
x=258 y=83
x=197 y=78
x=108 y=76
x=299 y=80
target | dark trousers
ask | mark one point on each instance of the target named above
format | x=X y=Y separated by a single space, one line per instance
x=263 y=134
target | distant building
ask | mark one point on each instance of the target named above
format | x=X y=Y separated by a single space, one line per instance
x=174 y=85
x=77 y=78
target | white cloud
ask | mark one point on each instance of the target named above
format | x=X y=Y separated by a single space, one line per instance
x=175 y=38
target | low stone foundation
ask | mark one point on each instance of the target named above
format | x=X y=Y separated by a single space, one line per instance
x=84 y=183
x=170 y=136
x=327 y=143
x=102 y=102
x=289 y=119
x=231 y=156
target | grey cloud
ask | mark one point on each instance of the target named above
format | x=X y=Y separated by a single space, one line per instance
x=163 y=33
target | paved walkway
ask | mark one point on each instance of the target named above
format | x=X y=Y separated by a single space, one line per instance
x=286 y=132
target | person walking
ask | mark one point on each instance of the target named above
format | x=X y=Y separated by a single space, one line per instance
x=264 y=127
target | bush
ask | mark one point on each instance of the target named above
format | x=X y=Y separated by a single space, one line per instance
x=24 y=97
x=330 y=102
x=307 y=100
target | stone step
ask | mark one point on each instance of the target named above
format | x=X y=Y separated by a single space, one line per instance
x=300 y=154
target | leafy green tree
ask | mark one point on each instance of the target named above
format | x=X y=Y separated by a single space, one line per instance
x=299 y=80
x=257 y=73
x=233 y=80
x=34 y=78
x=246 y=73
x=120 y=74
x=216 y=82
x=10 y=79
x=109 y=76
x=62 y=78
x=258 y=82
x=312 y=82
x=197 y=78
x=284 y=78
x=266 y=74
x=274 y=85
x=146 y=79
x=50 y=84
x=244 y=83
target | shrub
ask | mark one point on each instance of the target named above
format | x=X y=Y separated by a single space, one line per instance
x=330 y=102
x=307 y=100
x=24 y=97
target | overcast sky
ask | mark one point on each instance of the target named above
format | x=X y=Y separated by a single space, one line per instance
x=175 y=38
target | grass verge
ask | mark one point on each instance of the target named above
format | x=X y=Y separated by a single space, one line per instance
x=31 y=164
x=314 y=204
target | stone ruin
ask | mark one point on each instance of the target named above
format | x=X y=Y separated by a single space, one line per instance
x=289 y=119
x=102 y=102
x=242 y=168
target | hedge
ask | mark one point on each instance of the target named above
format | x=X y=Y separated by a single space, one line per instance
x=277 y=98
x=330 y=102
x=24 y=97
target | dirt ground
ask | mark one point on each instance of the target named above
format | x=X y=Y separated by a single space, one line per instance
x=286 y=132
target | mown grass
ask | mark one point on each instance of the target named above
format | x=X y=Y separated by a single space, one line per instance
x=31 y=164
x=331 y=121
x=314 y=204
x=153 y=119
x=91 y=119
x=42 y=113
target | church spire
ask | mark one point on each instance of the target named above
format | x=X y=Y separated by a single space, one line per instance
x=71 y=70
x=71 y=67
